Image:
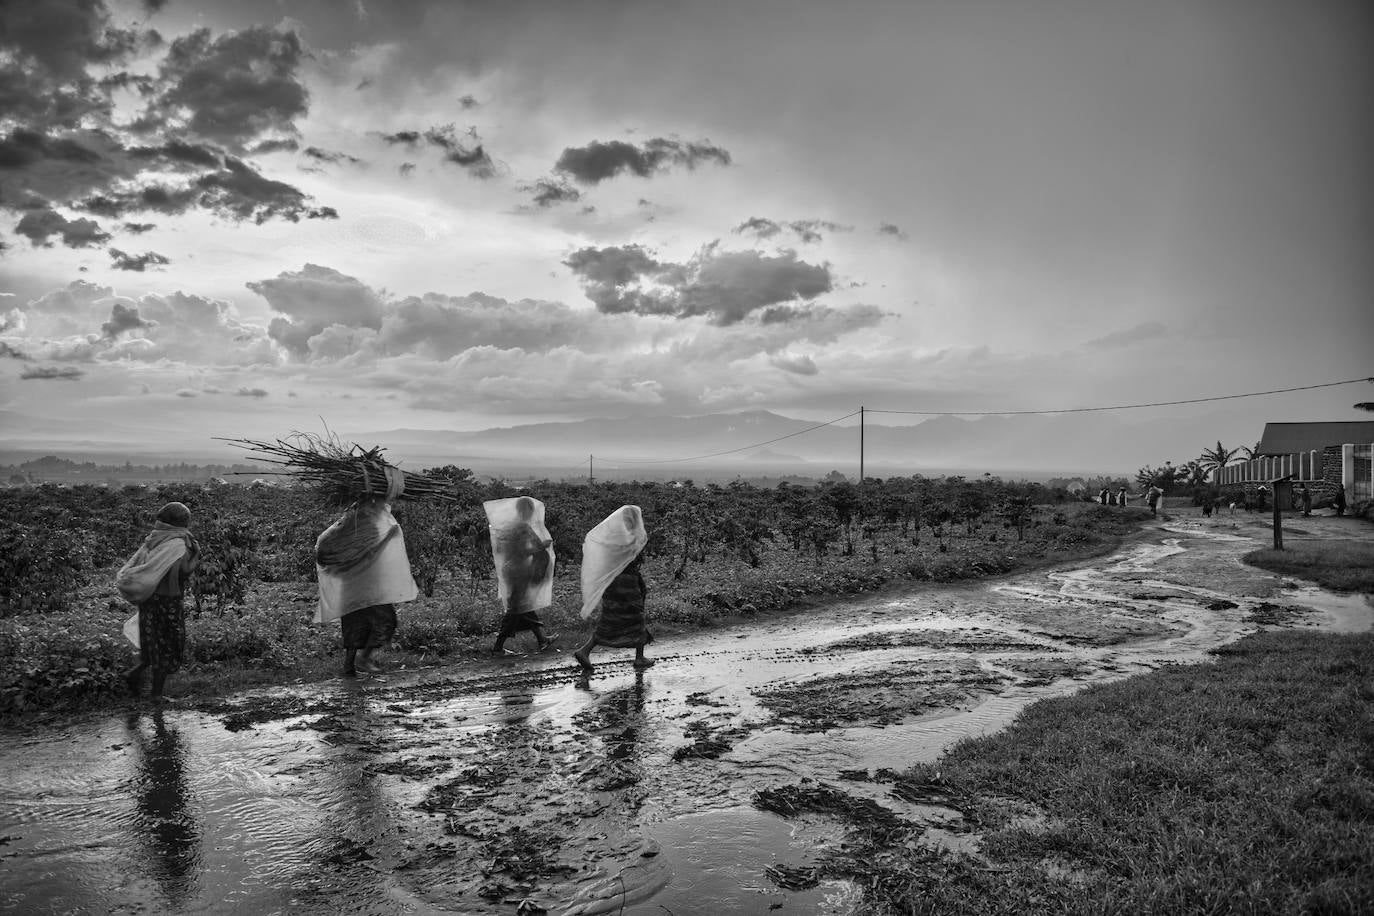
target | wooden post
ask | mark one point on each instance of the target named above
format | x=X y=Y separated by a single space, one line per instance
x=861 y=445
x=1282 y=491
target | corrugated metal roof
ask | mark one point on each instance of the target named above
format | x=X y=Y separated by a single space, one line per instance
x=1287 y=438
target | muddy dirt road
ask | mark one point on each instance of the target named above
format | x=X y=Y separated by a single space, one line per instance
x=500 y=786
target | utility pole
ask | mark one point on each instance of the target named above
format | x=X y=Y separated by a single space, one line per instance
x=861 y=445
x=591 y=478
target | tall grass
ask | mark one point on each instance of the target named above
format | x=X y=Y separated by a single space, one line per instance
x=1343 y=565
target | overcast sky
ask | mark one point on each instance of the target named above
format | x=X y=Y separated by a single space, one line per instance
x=238 y=219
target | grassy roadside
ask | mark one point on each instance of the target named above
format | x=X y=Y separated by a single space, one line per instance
x=1342 y=565
x=59 y=661
x=1244 y=786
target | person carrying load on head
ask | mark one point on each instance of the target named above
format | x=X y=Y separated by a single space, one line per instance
x=363 y=573
x=523 y=556
x=154 y=579
x=613 y=588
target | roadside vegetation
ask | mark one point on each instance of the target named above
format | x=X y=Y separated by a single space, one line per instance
x=1244 y=786
x=716 y=554
x=1342 y=565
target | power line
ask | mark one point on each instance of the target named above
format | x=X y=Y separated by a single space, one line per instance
x=1223 y=397
x=731 y=451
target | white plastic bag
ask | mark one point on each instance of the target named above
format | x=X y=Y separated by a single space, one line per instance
x=522 y=552
x=131 y=630
x=607 y=550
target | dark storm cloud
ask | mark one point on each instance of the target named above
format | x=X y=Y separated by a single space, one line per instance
x=275 y=146
x=466 y=151
x=137 y=263
x=406 y=137
x=241 y=193
x=124 y=318
x=598 y=161
x=725 y=286
x=41 y=224
x=251 y=393
x=27 y=147
x=807 y=230
x=139 y=228
x=547 y=192
x=59 y=373
x=233 y=87
x=758 y=226
x=330 y=156
x=890 y=229
x=156 y=197
x=179 y=153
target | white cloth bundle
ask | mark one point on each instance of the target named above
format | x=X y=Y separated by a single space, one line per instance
x=607 y=550
x=138 y=578
x=378 y=570
x=522 y=552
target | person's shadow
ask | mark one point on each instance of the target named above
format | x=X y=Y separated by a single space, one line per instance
x=167 y=832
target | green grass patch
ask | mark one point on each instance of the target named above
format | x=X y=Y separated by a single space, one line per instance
x=1244 y=786
x=1343 y=565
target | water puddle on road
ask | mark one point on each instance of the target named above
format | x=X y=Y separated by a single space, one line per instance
x=480 y=790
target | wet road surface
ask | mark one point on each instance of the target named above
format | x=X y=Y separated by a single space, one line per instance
x=485 y=789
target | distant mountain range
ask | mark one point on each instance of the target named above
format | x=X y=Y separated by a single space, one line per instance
x=754 y=443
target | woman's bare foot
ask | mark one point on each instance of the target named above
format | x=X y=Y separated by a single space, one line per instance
x=644 y=662
x=583 y=660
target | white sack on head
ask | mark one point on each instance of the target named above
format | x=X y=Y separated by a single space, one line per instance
x=522 y=553
x=361 y=561
x=607 y=550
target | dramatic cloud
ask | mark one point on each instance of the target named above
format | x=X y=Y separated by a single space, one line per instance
x=894 y=231
x=466 y=151
x=124 y=318
x=548 y=192
x=138 y=262
x=234 y=87
x=139 y=228
x=323 y=155
x=40 y=225
x=286 y=145
x=59 y=373
x=251 y=393
x=725 y=285
x=314 y=298
x=808 y=230
x=9 y=352
x=598 y=161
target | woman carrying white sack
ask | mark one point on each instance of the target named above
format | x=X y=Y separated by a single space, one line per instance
x=363 y=573
x=613 y=588
x=523 y=555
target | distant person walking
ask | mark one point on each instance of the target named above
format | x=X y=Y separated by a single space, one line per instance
x=1305 y=496
x=363 y=573
x=1152 y=498
x=1103 y=496
x=1339 y=499
x=154 y=579
x=523 y=554
x=613 y=588
x=1121 y=497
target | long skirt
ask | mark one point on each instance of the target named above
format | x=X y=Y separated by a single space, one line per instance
x=162 y=633
x=622 y=626
x=369 y=627
x=521 y=620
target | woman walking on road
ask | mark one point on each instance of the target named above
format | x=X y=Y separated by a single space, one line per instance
x=523 y=555
x=363 y=573
x=154 y=579
x=613 y=588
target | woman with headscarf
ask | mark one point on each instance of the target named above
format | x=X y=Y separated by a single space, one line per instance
x=523 y=555
x=613 y=588
x=154 y=579
x=363 y=573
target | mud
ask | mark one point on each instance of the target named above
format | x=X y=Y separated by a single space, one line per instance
x=728 y=778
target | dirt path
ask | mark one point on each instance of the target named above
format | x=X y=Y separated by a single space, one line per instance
x=515 y=784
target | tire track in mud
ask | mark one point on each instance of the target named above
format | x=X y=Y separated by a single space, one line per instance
x=476 y=790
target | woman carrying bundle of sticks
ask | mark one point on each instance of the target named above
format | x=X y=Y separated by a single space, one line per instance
x=363 y=574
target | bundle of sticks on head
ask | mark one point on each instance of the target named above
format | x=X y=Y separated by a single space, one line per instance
x=344 y=473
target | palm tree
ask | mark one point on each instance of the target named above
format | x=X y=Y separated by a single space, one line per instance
x=1214 y=459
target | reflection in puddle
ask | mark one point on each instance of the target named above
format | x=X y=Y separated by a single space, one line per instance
x=476 y=789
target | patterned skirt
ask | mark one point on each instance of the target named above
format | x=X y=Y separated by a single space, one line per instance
x=369 y=627
x=162 y=632
x=521 y=620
